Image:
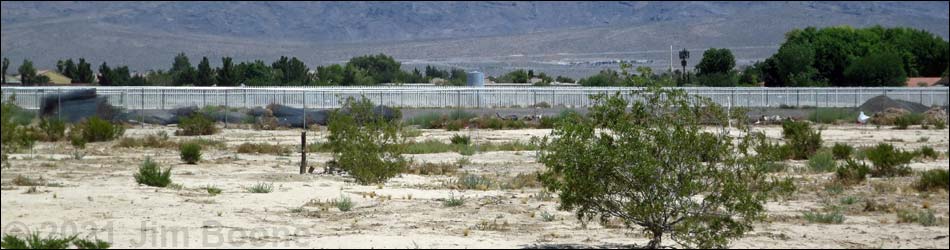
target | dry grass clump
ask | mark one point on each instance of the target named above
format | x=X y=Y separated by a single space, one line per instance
x=263 y=148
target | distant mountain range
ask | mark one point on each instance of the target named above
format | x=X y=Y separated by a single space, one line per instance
x=487 y=36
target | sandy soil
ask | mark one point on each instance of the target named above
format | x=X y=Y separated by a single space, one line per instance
x=97 y=196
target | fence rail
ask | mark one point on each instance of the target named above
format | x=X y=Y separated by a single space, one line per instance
x=165 y=98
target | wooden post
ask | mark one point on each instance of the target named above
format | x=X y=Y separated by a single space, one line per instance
x=303 y=152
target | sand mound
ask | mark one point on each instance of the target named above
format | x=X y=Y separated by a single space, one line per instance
x=889 y=116
x=882 y=103
x=935 y=115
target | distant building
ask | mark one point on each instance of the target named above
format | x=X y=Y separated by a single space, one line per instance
x=55 y=78
x=12 y=80
x=922 y=81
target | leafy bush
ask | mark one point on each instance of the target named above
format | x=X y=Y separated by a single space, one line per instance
x=933 y=180
x=190 y=153
x=53 y=129
x=888 y=161
x=91 y=244
x=852 y=172
x=940 y=124
x=15 y=134
x=344 y=203
x=196 y=124
x=461 y=140
x=364 y=144
x=842 y=151
x=213 y=190
x=260 y=188
x=801 y=138
x=150 y=174
x=95 y=130
x=649 y=152
x=822 y=162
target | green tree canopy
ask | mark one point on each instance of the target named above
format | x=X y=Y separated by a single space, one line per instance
x=715 y=61
x=27 y=72
x=227 y=74
x=885 y=69
x=834 y=49
x=205 y=76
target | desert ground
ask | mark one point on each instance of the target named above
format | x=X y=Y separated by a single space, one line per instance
x=97 y=197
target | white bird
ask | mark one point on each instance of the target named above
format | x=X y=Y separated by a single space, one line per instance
x=862 y=118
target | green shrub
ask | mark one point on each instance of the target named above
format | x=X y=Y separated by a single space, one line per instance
x=364 y=144
x=53 y=129
x=547 y=217
x=150 y=174
x=652 y=145
x=190 y=153
x=95 y=130
x=801 y=138
x=260 y=188
x=924 y=218
x=852 y=172
x=927 y=152
x=822 y=162
x=452 y=201
x=933 y=180
x=344 y=203
x=195 y=125
x=842 y=151
x=461 y=140
x=940 y=125
x=888 y=161
x=907 y=120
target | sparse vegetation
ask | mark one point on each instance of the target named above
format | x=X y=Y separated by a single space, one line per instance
x=453 y=201
x=34 y=241
x=905 y=121
x=190 y=153
x=344 y=203
x=822 y=162
x=213 y=190
x=150 y=174
x=195 y=125
x=260 y=188
x=832 y=217
x=96 y=130
x=832 y=115
x=263 y=148
x=53 y=129
x=927 y=152
x=159 y=140
x=924 y=218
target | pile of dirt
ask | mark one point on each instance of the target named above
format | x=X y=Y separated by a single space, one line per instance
x=882 y=103
x=935 y=115
x=889 y=116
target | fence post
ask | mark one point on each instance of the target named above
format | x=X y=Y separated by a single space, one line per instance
x=227 y=107
x=303 y=152
x=798 y=98
x=245 y=99
x=163 y=99
x=142 y=110
x=204 y=98
x=305 y=111
x=59 y=103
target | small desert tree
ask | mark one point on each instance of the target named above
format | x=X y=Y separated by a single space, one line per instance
x=655 y=167
x=364 y=143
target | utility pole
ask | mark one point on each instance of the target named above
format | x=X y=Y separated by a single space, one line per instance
x=684 y=54
x=671 y=59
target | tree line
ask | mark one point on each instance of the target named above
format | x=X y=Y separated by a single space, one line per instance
x=811 y=57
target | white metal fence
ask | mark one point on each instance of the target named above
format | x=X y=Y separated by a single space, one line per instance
x=164 y=98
